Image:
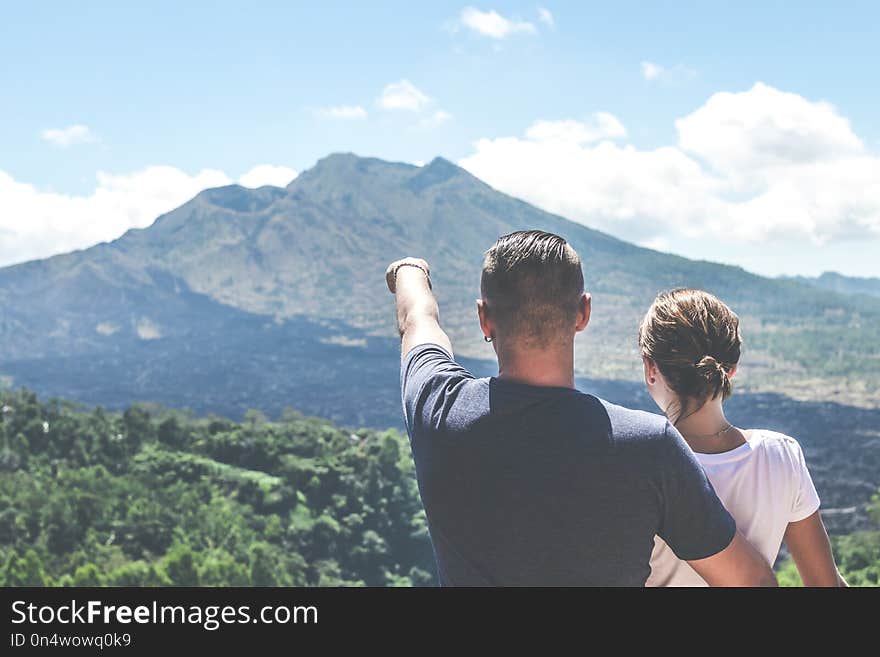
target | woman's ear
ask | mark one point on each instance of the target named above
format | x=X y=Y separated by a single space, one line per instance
x=651 y=372
x=732 y=372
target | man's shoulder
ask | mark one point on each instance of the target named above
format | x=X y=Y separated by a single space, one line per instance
x=629 y=424
x=427 y=360
x=426 y=349
x=438 y=393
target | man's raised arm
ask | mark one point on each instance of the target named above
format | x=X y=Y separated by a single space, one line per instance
x=418 y=317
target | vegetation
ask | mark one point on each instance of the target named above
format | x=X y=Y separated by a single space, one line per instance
x=153 y=497
x=857 y=555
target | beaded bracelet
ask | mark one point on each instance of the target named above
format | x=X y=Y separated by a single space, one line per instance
x=412 y=264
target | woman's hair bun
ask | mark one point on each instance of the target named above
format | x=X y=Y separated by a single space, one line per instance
x=693 y=337
x=715 y=374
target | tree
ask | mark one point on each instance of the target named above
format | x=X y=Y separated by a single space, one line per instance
x=179 y=566
x=24 y=570
x=171 y=433
x=202 y=501
x=137 y=573
x=265 y=567
x=219 y=568
x=88 y=575
x=138 y=427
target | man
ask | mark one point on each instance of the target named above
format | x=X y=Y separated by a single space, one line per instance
x=524 y=479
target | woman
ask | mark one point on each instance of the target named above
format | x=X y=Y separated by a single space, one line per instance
x=690 y=344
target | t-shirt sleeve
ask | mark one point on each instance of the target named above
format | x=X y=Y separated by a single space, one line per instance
x=428 y=380
x=806 y=500
x=694 y=522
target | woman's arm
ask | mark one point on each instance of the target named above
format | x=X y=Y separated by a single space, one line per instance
x=739 y=564
x=810 y=548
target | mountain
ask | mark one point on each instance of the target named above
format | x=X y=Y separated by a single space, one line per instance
x=316 y=251
x=318 y=248
x=274 y=297
x=835 y=282
x=232 y=268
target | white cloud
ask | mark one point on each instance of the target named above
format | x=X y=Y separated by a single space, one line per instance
x=654 y=72
x=267 y=174
x=651 y=71
x=438 y=117
x=492 y=24
x=403 y=95
x=344 y=112
x=601 y=125
x=546 y=17
x=766 y=127
x=64 y=137
x=37 y=224
x=755 y=166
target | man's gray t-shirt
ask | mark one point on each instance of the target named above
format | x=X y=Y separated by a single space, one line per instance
x=542 y=486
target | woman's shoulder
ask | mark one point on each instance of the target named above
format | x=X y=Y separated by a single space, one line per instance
x=775 y=444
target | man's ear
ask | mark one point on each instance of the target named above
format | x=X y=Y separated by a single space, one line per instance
x=486 y=323
x=585 y=305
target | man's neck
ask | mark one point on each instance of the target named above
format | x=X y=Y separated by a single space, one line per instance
x=538 y=366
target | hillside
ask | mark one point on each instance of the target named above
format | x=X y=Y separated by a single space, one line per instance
x=153 y=497
x=844 y=284
x=272 y=298
x=211 y=281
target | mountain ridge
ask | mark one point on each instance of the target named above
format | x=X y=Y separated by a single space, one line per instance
x=317 y=249
x=837 y=282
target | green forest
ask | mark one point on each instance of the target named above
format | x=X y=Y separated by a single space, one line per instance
x=154 y=497
x=151 y=497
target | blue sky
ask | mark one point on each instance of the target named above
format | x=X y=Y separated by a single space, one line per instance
x=149 y=102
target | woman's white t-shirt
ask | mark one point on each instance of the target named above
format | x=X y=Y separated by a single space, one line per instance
x=765 y=484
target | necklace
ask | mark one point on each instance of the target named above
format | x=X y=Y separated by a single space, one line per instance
x=717 y=433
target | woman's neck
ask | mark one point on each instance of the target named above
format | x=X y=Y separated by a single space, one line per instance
x=707 y=430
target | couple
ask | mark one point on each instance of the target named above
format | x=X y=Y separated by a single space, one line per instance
x=527 y=481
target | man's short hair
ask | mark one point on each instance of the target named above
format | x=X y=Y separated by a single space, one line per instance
x=531 y=284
